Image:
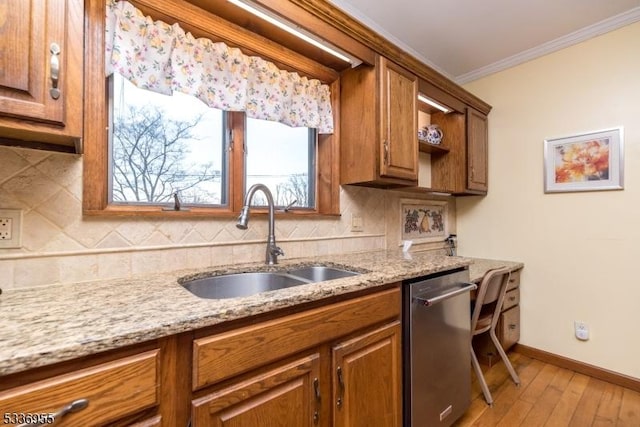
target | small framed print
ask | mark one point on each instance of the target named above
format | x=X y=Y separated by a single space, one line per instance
x=423 y=220
x=585 y=162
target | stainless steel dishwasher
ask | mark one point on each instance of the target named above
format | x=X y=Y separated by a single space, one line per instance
x=437 y=339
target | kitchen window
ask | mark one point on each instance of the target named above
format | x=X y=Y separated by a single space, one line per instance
x=209 y=156
x=162 y=145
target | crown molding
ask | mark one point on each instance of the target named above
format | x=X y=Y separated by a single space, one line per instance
x=586 y=33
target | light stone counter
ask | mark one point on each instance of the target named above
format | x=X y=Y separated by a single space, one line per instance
x=46 y=325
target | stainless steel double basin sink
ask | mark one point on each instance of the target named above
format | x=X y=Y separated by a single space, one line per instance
x=250 y=283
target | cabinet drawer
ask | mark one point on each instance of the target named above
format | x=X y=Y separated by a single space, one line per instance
x=514 y=280
x=508 y=328
x=114 y=389
x=511 y=299
x=257 y=345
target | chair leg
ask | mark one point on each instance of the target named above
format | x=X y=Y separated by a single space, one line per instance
x=481 y=380
x=504 y=357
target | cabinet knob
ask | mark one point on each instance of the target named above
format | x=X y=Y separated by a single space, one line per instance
x=512 y=326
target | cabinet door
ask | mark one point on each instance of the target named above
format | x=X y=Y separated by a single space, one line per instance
x=41 y=66
x=399 y=118
x=29 y=29
x=367 y=379
x=477 y=151
x=284 y=396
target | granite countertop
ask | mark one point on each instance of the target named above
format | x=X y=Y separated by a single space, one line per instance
x=46 y=325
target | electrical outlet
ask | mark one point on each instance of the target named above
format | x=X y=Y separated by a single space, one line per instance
x=10 y=228
x=582 y=330
x=6 y=225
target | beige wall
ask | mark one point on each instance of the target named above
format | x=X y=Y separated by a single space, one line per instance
x=60 y=246
x=580 y=249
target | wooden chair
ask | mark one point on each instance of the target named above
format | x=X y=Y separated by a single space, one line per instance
x=486 y=312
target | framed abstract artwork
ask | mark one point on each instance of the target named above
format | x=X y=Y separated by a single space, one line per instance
x=585 y=162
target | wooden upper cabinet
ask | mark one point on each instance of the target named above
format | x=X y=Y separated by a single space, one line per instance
x=378 y=125
x=477 y=151
x=41 y=65
x=464 y=170
x=399 y=118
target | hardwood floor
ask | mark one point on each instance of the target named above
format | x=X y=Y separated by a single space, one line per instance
x=550 y=396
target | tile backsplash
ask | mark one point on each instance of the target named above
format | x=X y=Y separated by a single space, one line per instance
x=62 y=246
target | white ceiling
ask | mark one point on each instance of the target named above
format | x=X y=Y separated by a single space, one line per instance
x=468 y=39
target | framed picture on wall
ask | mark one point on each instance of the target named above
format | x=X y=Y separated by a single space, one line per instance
x=585 y=162
x=423 y=221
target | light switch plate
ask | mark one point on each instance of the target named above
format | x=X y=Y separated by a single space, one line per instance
x=357 y=222
x=10 y=228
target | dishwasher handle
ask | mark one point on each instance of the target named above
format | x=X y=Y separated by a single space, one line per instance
x=431 y=298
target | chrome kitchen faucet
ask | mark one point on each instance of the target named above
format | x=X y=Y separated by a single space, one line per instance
x=272 y=249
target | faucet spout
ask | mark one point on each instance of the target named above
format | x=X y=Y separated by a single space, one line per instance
x=273 y=250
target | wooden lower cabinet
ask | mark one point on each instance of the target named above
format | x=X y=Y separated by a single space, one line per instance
x=335 y=365
x=367 y=383
x=285 y=395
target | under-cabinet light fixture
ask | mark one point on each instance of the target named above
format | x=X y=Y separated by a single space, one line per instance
x=433 y=103
x=295 y=30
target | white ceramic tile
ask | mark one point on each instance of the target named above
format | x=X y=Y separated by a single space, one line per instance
x=33 y=156
x=78 y=268
x=157 y=239
x=146 y=262
x=36 y=272
x=135 y=231
x=112 y=265
x=62 y=243
x=198 y=257
x=89 y=231
x=113 y=240
x=37 y=231
x=61 y=208
x=10 y=163
x=175 y=231
x=31 y=186
x=63 y=169
x=221 y=255
x=6 y=274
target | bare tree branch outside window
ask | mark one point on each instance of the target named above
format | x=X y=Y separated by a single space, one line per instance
x=149 y=159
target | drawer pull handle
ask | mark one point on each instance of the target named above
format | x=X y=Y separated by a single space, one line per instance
x=512 y=326
x=341 y=384
x=75 y=406
x=54 y=49
x=316 y=388
x=512 y=298
x=386 y=152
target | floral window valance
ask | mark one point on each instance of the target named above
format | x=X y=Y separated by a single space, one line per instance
x=164 y=58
